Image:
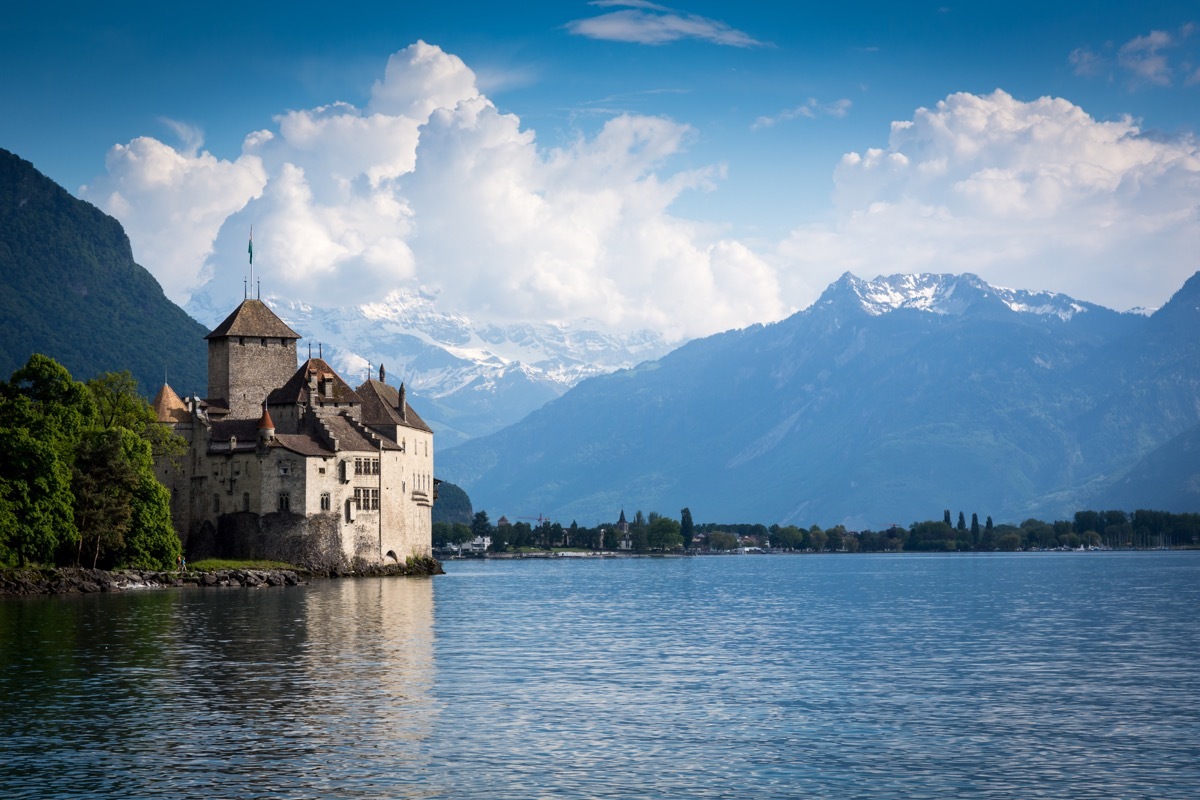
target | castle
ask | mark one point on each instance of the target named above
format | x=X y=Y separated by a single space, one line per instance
x=290 y=463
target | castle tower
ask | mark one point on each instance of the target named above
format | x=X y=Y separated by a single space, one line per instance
x=250 y=354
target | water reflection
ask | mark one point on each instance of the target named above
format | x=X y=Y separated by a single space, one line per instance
x=246 y=693
x=861 y=677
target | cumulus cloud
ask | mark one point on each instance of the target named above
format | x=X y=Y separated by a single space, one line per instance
x=648 y=23
x=173 y=202
x=431 y=188
x=1029 y=194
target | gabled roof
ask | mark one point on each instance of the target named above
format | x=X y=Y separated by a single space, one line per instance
x=381 y=406
x=296 y=389
x=253 y=318
x=168 y=407
x=244 y=430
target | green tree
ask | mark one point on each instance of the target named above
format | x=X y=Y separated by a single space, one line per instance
x=102 y=481
x=836 y=538
x=962 y=522
x=817 y=538
x=42 y=414
x=35 y=498
x=686 y=528
x=663 y=534
x=722 y=540
x=152 y=542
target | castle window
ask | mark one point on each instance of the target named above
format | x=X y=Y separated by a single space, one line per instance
x=216 y=504
x=320 y=470
x=358 y=498
x=325 y=505
x=285 y=469
x=374 y=499
x=285 y=503
x=263 y=342
x=241 y=340
x=358 y=468
x=245 y=501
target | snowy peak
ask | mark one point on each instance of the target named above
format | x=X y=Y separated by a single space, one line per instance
x=950 y=295
x=475 y=376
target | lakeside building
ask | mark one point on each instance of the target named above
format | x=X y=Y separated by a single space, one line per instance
x=289 y=462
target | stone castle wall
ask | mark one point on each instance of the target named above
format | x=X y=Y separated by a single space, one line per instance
x=245 y=369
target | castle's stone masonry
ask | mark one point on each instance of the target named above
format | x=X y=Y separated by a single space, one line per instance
x=290 y=463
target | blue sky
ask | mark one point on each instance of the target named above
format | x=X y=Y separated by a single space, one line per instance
x=642 y=154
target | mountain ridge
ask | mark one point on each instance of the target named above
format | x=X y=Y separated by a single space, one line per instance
x=839 y=415
x=61 y=259
x=469 y=378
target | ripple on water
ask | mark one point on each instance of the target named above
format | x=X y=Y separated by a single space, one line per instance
x=857 y=677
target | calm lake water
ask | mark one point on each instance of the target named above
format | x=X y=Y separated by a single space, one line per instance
x=1073 y=675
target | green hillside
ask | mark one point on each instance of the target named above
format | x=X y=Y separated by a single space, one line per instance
x=69 y=288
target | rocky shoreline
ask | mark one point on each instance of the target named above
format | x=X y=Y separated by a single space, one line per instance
x=77 y=580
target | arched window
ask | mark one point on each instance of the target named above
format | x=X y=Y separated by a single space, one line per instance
x=285 y=503
x=325 y=503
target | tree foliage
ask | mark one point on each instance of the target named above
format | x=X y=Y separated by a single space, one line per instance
x=77 y=477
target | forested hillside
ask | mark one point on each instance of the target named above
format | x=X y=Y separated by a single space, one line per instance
x=69 y=288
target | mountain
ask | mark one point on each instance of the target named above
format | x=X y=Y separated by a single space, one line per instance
x=69 y=288
x=1167 y=479
x=885 y=401
x=467 y=378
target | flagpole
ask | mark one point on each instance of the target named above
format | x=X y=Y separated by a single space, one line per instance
x=250 y=250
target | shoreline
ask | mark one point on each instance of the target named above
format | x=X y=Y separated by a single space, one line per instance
x=30 y=581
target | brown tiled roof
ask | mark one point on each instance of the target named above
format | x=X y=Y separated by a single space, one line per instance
x=296 y=388
x=381 y=406
x=265 y=422
x=168 y=407
x=301 y=443
x=253 y=318
x=244 y=429
x=351 y=437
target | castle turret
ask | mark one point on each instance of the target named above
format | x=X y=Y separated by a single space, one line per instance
x=266 y=426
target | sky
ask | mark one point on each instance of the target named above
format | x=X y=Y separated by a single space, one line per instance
x=682 y=168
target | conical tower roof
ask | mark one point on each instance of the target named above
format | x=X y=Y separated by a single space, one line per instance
x=168 y=407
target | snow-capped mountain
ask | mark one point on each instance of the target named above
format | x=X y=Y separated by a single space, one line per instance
x=951 y=295
x=466 y=378
x=886 y=400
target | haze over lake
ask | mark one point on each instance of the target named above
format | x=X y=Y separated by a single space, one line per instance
x=1058 y=675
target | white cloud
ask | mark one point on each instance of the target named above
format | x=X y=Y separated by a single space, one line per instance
x=172 y=203
x=1150 y=60
x=809 y=110
x=647 y=23
x=1029 y=194
x=1143 y=57
x=1086 y=62
x=430 y=187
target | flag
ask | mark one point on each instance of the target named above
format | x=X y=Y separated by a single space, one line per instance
x=250 y=248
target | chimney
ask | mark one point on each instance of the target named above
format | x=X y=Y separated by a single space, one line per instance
x=403 y=409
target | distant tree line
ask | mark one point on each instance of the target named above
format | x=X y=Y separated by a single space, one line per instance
x=656 y=533
x=77 y=483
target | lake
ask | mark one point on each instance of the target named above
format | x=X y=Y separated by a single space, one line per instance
x=1056 y=675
